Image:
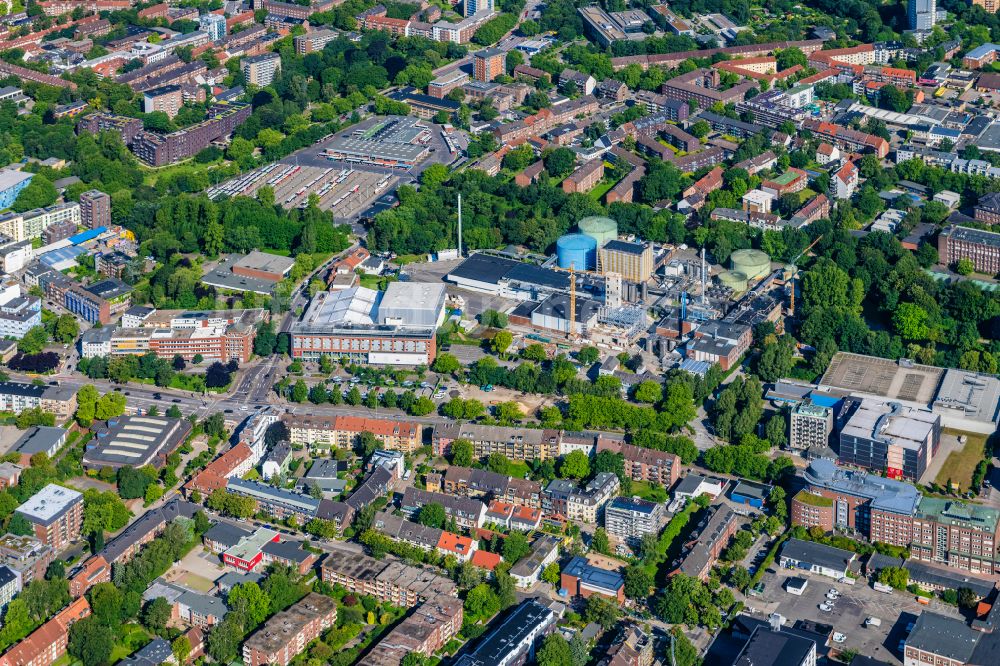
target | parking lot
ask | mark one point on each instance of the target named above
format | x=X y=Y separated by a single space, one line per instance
x=856 y=603
x=345 y=191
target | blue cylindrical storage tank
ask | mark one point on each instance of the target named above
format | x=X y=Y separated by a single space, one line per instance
x=578 y=251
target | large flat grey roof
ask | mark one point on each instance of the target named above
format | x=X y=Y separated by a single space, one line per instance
x=944 y=636
x=134 y=441
x=49 y=503
x=262 y=261
x=896 y=380
x=891 y=422
x=40 y=438
x=817 y=553
x=970 y=235
x=349 y=145
x=885 y=494
x=222 y=276
x=483 y=268
x=413 y=295
x=973 y=395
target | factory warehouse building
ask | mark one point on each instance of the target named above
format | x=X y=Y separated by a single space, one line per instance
x=395 y=327
x=134 y=441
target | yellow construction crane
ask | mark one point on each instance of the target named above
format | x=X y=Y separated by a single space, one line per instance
x=571 y=334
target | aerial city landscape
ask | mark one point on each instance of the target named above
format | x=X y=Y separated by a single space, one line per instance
x=500 y=332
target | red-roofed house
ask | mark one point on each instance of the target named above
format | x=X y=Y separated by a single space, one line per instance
x=196 y=637
x=846 y=138
x=514 y=517
x=394 y=26
x=844 y=182
x=235 y=462
x=156 y=11
x=825 y=75
x=827 y=153
x=462 y=547
x=96 y=570
x=485 y=560
x=350 y=261
x=47 y=643
x=710 y=182
x=901 y=78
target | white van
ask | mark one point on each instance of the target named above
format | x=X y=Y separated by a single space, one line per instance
x=873 y=622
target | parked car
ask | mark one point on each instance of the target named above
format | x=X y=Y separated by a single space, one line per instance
x=839 y=637
x=826 y=608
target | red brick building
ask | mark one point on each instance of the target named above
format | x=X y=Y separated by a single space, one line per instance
x=585 y=178
x=55 y=514
x=488 y=64
x=982 y=248
x=394 y=26
x=160 y=10
x=47 y=643
x=580 y=578
x=95 y=570
x=530 y=174
x=425 y=631
x=704 y=546
x=643 y=464
x=217 y=472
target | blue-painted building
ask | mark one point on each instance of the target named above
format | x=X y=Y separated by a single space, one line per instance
x=11 y=184
x=750 y=494
x=87 y=306
x=580 y=578
x=87 y=235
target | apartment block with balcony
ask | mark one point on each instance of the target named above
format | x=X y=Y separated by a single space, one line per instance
x=387 y=580
x=809 y=426
x=515 y=443
x=631 y=518
x=581 y=505
x=55 y=514
x=286 y=634
x=345 y=431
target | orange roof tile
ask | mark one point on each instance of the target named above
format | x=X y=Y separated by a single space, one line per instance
x=455 y=543
x=485 y=559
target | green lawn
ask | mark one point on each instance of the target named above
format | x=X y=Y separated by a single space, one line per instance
x=404 y=259
x=647 y=491
x=517 y=469
x=188 y=382
x=600 y=190
x=369 y=281
x=801 y=371
x=152 y=174
x=960 y=465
